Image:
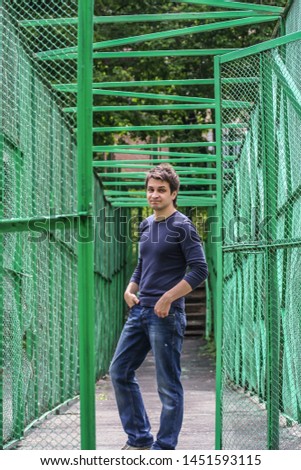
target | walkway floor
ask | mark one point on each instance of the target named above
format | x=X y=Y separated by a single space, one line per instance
x=61 y=430
x=198 y=377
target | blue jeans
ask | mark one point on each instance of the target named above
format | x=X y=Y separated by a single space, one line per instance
x=145 y=331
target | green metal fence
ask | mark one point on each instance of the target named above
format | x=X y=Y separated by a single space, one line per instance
x=41 y=233
x=260 y=370
x=59 y=312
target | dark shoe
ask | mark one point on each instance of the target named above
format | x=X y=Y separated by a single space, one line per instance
x=128 y=447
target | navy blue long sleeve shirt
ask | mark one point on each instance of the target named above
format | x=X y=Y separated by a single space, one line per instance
x=166 y=249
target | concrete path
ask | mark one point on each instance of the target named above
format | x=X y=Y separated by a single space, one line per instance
x=61 y=429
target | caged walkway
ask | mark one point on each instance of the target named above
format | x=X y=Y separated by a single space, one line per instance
x=198 y=432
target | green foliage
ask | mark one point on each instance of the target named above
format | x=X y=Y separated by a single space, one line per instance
x=163 y=68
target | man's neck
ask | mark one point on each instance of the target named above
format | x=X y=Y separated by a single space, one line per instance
x=162 y=215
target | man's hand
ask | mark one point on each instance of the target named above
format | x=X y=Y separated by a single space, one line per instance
x=130 y=294
x=131 y=299
x=162 y=307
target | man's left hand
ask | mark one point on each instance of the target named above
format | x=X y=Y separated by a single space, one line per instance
x=162 y=307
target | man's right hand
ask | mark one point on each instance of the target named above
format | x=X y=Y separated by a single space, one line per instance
x=131 y=299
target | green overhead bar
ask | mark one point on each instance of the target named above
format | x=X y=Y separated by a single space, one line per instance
x=166 y=127
x=122 y=148
x=234 y=5
x=184 y=182
x=142 y=18
x=72 y=87
x=145 y=107
x=160 y=35
x=163 y=107
x=114 y=192
x=138 y=54
x=163 y=127
x=153 y=96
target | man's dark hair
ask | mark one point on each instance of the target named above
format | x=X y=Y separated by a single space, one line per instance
x=165 y=172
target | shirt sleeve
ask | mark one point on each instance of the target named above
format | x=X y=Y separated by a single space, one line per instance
x=194 y=255
x=136 y=276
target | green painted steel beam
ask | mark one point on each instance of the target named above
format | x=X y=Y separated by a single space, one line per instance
x=176 y=32
x=219 y=258
x=39 y=224
x=168 y=127
x=262 y=246
x=163 y=127
x=263 y=46
x=157 y=153
x=181 y=203
x=141 y=175
x=239 y=80
x=273 y=379
x=161 y=35
x=179 y=198
x=3 y=360
x=233 y=5
x=72 y=87
x=85 y=250
x=113 y=192
x=153 y=96
x=184 y=182
x=117 y=148
x=147 y=163
x=160 y=53
x=209 y=104
x=210 y=15
x=139 y=54
x=144 y=107
x=122 y=148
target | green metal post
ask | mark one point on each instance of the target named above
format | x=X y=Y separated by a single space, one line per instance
x=219 y=261
x=18 y=391
x=85 y=247
x=1 y=287
x=1 y=248
x=272 y=309
x=35 y=301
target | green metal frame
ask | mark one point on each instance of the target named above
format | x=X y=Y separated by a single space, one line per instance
x=209 y=178
x=133 y=198
x=85 y=207
x=1 y=257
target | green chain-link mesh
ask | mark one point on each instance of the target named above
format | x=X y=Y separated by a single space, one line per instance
x=39 y=353
x=261 y=218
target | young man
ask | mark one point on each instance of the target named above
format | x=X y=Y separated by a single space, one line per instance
x=169 y=244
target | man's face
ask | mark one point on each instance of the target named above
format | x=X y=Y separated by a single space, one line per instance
x=158 y=195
